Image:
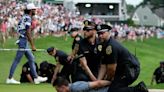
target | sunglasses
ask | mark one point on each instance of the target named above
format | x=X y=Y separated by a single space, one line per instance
x=100 y=33
x=87 y=30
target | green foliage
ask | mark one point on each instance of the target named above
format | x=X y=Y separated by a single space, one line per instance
x=130 y=8
x=155 y=3
x=130 y=22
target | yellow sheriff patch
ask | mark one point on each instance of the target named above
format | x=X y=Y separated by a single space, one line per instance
x=76 y=47
x=100 y=47
x=57 y=59
x=109 y=50
x=86 y=23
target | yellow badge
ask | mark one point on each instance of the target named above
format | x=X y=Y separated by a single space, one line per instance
x=76 y=47
x=86 y=23
x=100 y=47
x=57 y=59
x=109 y=50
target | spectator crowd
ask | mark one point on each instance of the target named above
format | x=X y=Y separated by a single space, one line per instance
x=57 y=21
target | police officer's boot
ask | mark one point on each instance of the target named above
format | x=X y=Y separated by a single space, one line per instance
x=141 y=87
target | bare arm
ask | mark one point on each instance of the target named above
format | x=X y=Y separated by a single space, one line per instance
x=111 y=68
x=102 y=72
x=84 y=65
x=99 y=83
x=56 y=70
x=29 y=78
x=25 y=71
x=74 y=52
x=30 y=39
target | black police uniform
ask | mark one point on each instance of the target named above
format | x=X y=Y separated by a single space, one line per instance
x=127 y=69
x=159 y=75
x=47 y=70
x=26 y=70
x=67 y=70
x=93 y=61
x=76 y=40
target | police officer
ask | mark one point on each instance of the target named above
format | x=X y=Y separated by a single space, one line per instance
x=118 y=65
x=158 y=74
x=61 y=59
x=24 y=30
x=47 y=70
x=87 y=53
x=26 y=75
x=77 y=38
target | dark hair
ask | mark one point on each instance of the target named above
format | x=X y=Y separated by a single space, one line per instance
x=27 y=11
x=50 y=49
x=162 y=62
x=44 y=65
x=60 y=81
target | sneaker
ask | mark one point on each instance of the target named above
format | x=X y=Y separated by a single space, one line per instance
x=142 y=87
x=40 y=79
x=12 y=81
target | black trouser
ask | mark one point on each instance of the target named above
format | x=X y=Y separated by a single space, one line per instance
x=66 y=71
x=122 y=81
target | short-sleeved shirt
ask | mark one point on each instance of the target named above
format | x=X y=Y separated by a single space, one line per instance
x=61 y=57
x=159 y=75
x=114 y=53
x=23 y=25
x=82 y=86
x=91 y=54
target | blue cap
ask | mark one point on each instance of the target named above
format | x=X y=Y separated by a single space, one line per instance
x=74 y=29
x=50 y=49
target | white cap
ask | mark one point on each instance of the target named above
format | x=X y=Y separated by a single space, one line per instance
x=30 y=6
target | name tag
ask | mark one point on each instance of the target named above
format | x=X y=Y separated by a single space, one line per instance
x=86 y=51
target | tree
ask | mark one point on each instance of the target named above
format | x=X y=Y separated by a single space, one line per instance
x=130 y=8
x=155 y=3
x=130 y=22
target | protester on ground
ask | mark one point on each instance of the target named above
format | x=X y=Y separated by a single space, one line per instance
x=62 y=85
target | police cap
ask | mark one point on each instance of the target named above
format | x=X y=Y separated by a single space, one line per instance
x=73 y=30
x=50 y=49
x=103 y=28
x=44 y=65
x=88 y=23
x=88 y=28
x=162 y=62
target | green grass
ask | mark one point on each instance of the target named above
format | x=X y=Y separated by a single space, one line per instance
x=150 y=53
x=27 y=88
